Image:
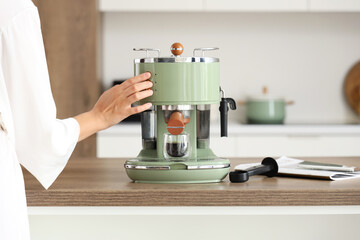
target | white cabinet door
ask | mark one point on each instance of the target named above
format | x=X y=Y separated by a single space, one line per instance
x=335 y=5
x=255 y=5
x=130 y=146
x=229 y=5
x=114 y=146
x=247 y=146
x=224 y=147
x=153 y=5
x=222 y=223
x=298 y=146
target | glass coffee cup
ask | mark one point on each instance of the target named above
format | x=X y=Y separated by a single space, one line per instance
x=176 y=147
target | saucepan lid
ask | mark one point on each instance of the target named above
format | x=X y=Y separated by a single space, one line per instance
x=176 y=49
x=265 y=97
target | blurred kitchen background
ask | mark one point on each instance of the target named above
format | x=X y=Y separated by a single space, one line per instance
x=301 y=50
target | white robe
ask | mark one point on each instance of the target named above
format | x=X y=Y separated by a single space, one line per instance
x=33 y=136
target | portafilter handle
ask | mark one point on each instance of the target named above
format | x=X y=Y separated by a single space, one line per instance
x=147 y=50
x=204 y=49
x=224 y=108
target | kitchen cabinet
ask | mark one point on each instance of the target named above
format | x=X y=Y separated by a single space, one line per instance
x=334 y=5
x=201 y=5
x=229 y=6
x=93 y=199
x=255 y=5
x=249 y=141
x=151 y=6
x=179 y=223
x=298 y=145
x=118 y=146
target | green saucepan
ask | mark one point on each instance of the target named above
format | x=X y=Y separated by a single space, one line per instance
x=265 y=110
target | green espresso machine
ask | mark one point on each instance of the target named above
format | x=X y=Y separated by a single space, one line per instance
x=176 y=130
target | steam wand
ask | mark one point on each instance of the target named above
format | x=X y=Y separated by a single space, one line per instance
x=224 y=108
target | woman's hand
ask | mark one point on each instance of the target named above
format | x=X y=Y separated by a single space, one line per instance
x=114 y=105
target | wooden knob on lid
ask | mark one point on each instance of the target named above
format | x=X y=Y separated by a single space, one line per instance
x=177 y=49
x=265 y=90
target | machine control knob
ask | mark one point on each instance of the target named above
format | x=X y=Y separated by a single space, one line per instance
x=177 y=49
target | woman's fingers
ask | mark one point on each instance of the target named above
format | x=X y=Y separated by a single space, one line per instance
x=139 y=78
x=138 y=87
x=141 y=108
x=139 y=95
x=115 y=104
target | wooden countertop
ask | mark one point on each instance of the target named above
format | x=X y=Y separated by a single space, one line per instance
x=103 y=182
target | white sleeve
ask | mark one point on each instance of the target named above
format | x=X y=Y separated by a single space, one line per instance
x=43 y=143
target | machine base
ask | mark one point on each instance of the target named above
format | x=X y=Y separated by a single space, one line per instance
x=201 y=171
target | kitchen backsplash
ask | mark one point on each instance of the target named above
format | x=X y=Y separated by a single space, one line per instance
x=302 y=57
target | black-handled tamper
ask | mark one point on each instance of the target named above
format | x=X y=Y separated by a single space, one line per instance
x=268 y=167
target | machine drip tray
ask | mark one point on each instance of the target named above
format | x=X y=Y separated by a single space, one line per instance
x=200 y=171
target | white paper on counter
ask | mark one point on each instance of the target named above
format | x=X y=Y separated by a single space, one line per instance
x=290 y=167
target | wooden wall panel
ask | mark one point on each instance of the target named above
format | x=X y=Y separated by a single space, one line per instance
x=70 y=32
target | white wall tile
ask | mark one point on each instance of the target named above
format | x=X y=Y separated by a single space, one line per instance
x=301 y=56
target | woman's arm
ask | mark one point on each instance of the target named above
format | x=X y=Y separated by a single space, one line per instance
x=114 y=105
x=44 y=143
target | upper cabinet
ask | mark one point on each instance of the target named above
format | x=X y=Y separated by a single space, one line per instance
x=151 y=5
x=229 y=6
x=255 y=5
x=334 y=5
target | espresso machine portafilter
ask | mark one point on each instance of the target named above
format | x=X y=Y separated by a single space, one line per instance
x=176 y=130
